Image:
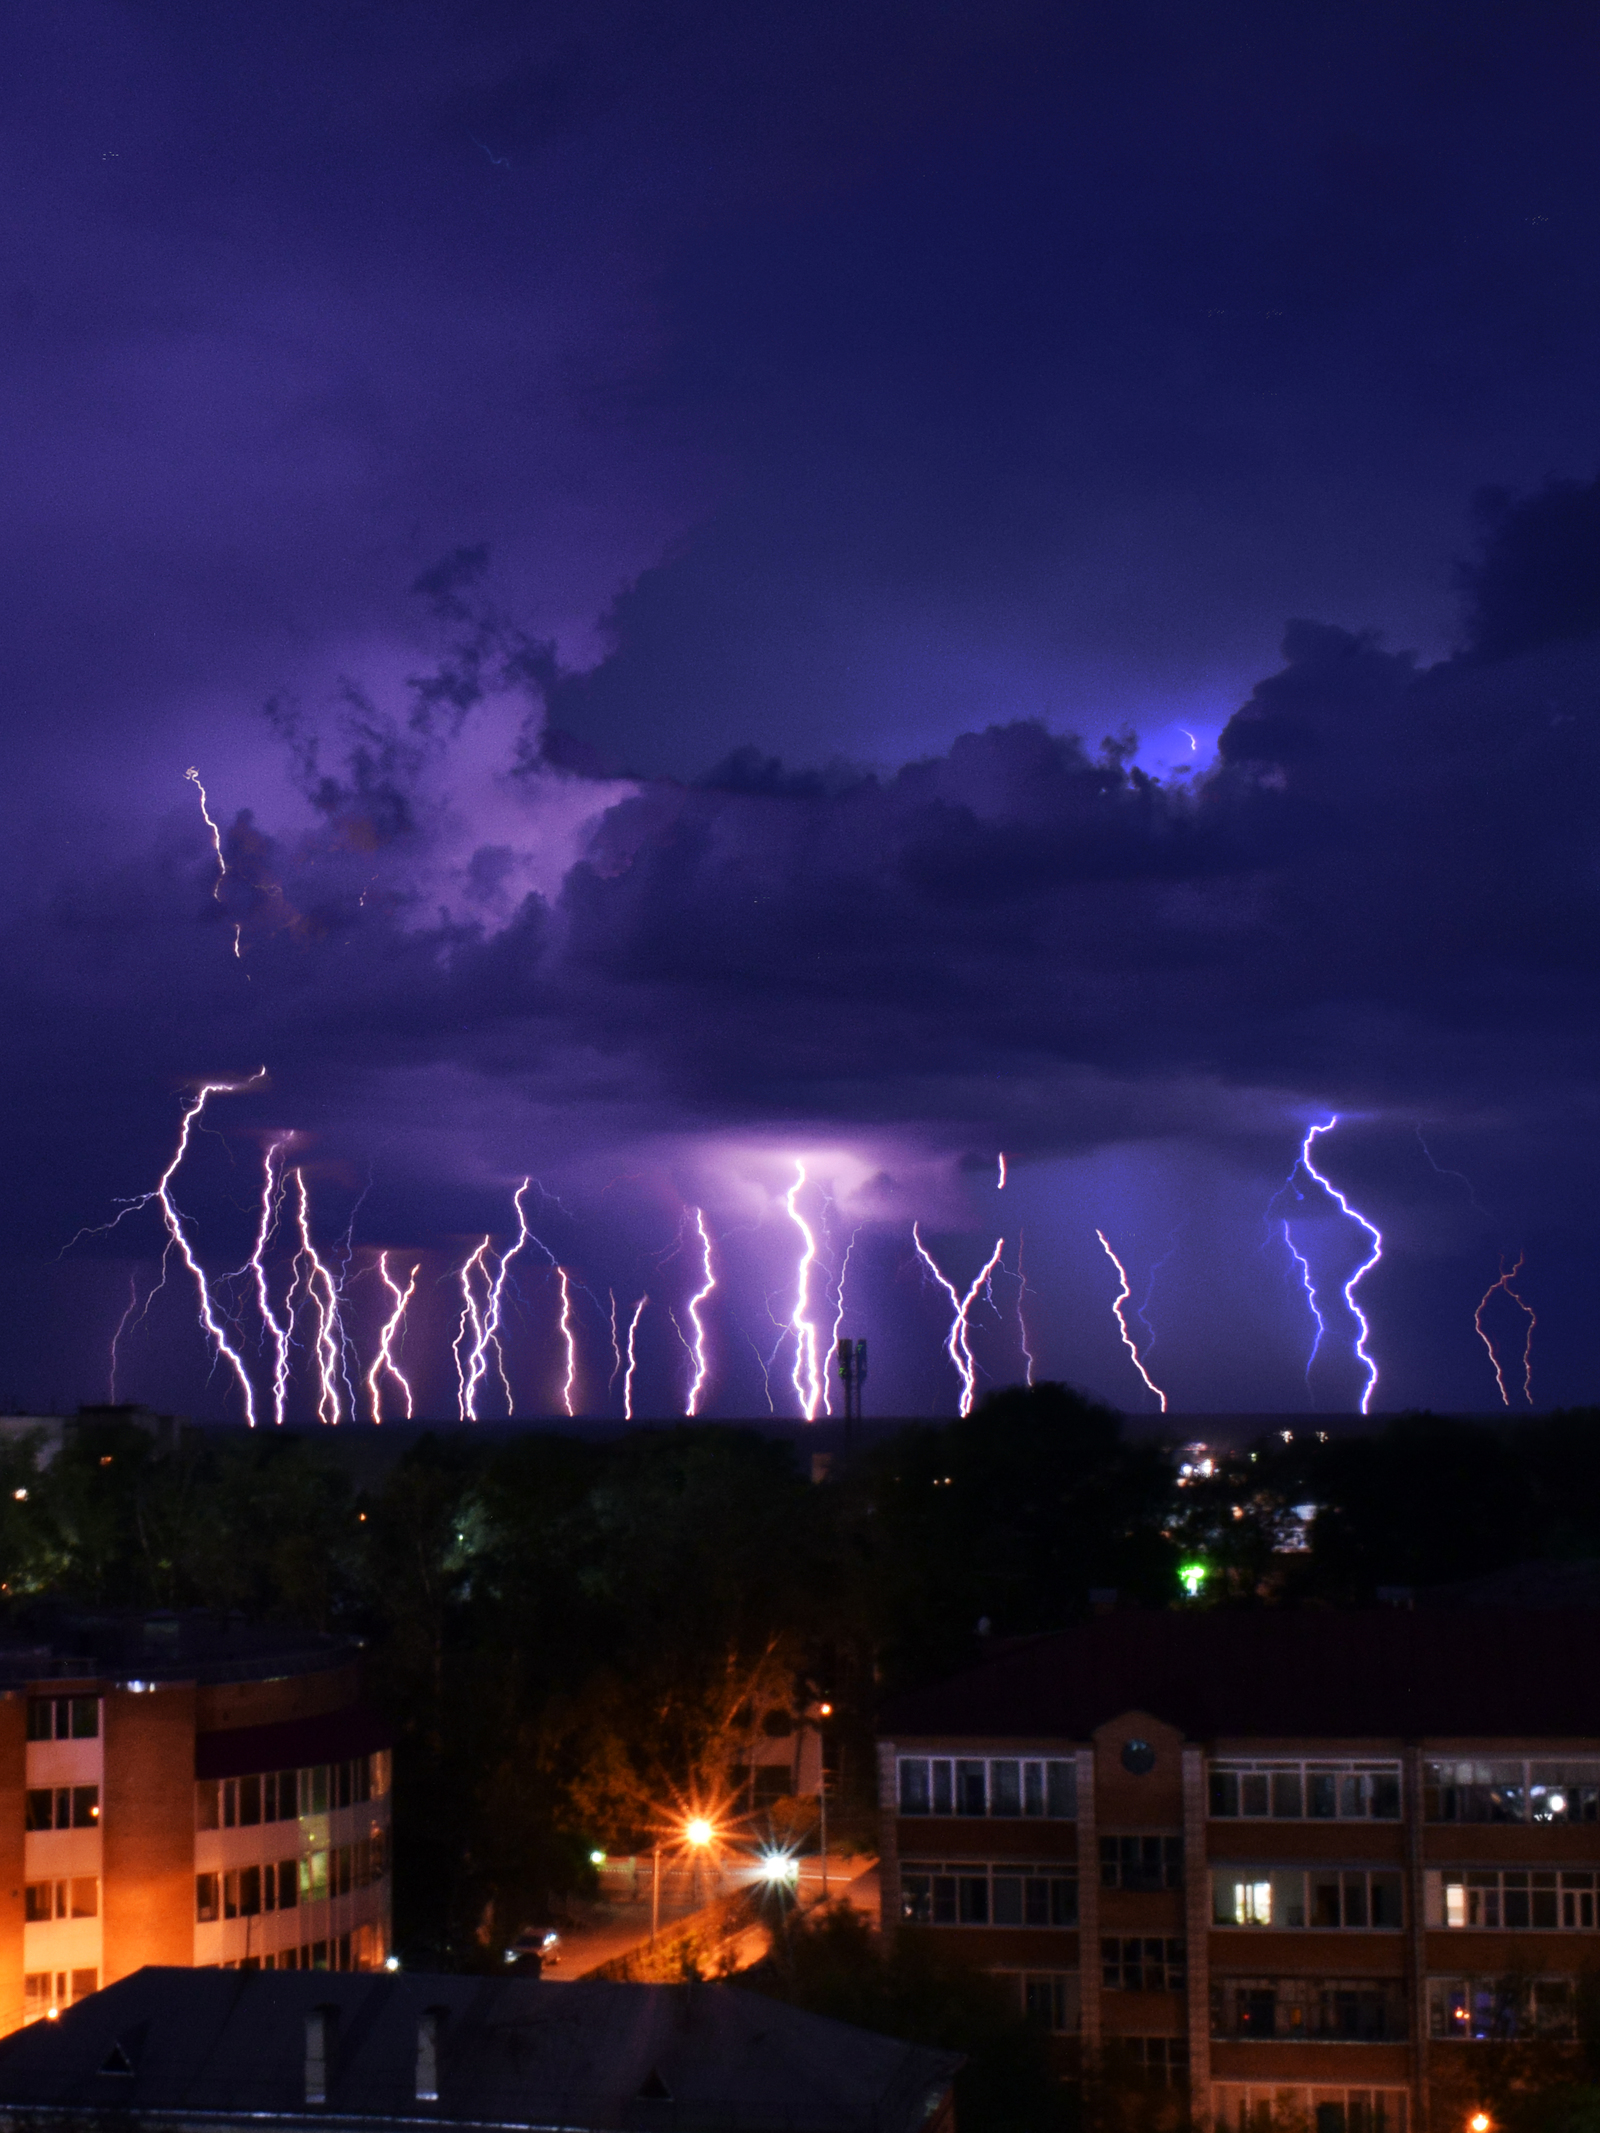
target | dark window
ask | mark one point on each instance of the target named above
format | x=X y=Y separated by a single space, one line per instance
x=1344 y=2010
x=971 y=1792
x=916 y=1899
x=41 y=1718
x=249 y=1891
x=1141 y=1862
x=1143 y=1965
x=205 y=1898
x=85 y=1807
x=86 y=1896
x=207 y=1804
x=1008 y=1900
x=249 y=1802
x=288 y=1884
x=943 y=1800
x=1386 y=1908
x=1224 y=1793
x=38 y=1902
x=1005 y=1795
x=974 y=1899
x=39 y=1809
x=86 y=1718
x=914 y=1796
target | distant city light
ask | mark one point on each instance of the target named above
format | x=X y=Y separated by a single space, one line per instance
x=20 y=1495
x=1191 y=1576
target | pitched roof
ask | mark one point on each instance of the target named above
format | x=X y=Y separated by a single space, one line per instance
x=1280 y=1675
x=513 y=2052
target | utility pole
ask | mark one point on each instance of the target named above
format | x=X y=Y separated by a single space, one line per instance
x=655 y=1894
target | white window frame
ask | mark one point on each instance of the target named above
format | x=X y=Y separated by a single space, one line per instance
x=948 y=1777
x=1301 y=1771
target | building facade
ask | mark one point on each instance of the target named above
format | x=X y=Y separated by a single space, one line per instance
x=1310 y=1862
x=181 y=1792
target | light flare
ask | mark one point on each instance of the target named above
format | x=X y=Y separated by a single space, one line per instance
x=1507 y=1275
x=384 y=1360
x=957 y=1345
x=1128 y=1341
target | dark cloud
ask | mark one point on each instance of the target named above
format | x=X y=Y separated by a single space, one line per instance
x=1537 y=580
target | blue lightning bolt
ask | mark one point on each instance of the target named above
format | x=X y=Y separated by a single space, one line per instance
x=1309 y=1167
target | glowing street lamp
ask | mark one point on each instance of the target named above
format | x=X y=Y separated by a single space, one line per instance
x=699 y=1832
x=1480 y=2122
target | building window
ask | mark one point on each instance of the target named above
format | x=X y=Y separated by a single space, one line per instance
x=1143 y=1965
x=1162 y=2062
x=1047 y=1998
x=1237 y=2107
x=62 y=1807
x=1301 y=1792
x=1495 y=2009
x=1506 y=1791
x=1515 y=1899
x=84 y=1982
x=205 y=1899
x=1309 y=2010
x=1141 y=1862
x=975 y=1893
x=313 y=1877
x=85 y=1896
x=63 y=1718
x=38 y=1902
x=1320 y=1897
x=987 y=1785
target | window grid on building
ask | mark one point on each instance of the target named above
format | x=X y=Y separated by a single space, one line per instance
x=1305 y=1791
x=1290 y=2010
x=1499 y=2009
x=988 y=1785
x=63 y=1718
x=61 y=1807
x=1510 y=1899
x=78 y=1897
x=47 y=1992
x=1322 y=1898
x=1141 y=1862
x=1505 y=1789
x=1143 y=1963
x=976 y=1892
x=1048 y=1998
x=1251 y=2107
x=280 y=1885
x=1162 y=2061
x=286 y=1795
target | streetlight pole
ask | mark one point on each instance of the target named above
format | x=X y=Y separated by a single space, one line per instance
x=655 y=1894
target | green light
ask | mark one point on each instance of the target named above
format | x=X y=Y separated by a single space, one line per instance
x=1191 y=1576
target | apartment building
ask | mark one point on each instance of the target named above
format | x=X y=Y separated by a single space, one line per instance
x=174 y=1790
x=1313 y=1860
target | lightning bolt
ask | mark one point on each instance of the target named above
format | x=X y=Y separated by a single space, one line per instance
x=1128 y=1341
x=1001 y=1186
x=1022 y=1323
x=271 y=1205
x=702 y=1368
x=122 y=1327
x=1507 y=1275
x=473 y=1317
x=1366 y=1265
x=627 y=1382
x=806 y=1377
x=570 y=1337
x=328 y=1346
x=838 y=1318
x=487 y=1328
x=385 y=1358
x=178 y=1236
x=956 y=1344
x=1304 y=1265
x=216 y=846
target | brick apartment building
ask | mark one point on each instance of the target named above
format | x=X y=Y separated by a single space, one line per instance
x=1306 y=1859
x=177 y=1791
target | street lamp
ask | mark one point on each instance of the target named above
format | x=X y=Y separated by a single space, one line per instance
x=1480 y=2122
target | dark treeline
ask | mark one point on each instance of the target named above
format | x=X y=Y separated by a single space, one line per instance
x=576 y=1639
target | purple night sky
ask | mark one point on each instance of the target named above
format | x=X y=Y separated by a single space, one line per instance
x=754 y=586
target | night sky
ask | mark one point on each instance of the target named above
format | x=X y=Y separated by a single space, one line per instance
x=856 y=588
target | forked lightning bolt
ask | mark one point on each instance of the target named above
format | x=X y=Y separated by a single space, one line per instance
x=702 y=1367
x=327 y=1347
x=1507 y=1275
x=807 y=1377
x=956 y=1345
x=384 y=1360
x=1128 y=1341
x=627 y=1382
x=1361 y=1271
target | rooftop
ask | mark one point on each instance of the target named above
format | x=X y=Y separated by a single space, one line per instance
x=1281 y=1675
x=63 y=1645
x=511 y=2052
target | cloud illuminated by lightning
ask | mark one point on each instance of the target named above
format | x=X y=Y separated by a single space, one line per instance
x=1507 y=1275
x=956 y=1345
x=385 y=1357
x=702 y=1367
x=1366 y=1265
x=1128 y=1341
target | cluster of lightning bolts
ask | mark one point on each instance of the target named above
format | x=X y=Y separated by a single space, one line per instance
x=306 y=1313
